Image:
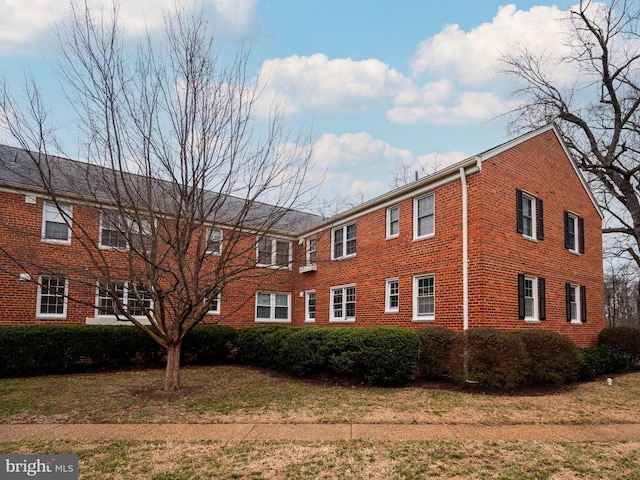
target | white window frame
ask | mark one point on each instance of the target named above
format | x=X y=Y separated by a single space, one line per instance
x=576 y=232
x=345 y=241
x=416 y=217
x=128 y=225
x=210 y=232
x=534 y=216
x=534 y=298
x=307 y=313
x=274 y=253
x=55 y=316
x=344 y=290
x=391 y=221
x=311 y=250
x=388 y=308
x=114 y=217
x=125 y=301
x=216 y=310
x=61 y=213
x=273 y=296
x=417 y=316
x=575 y=289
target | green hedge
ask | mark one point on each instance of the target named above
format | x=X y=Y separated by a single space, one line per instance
x=435 y=346
x=553 y=358
x=625 y=340
x=380 y=355
x=45 y=349
x=600 y=361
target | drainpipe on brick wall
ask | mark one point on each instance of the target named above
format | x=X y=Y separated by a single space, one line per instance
x=465 y=252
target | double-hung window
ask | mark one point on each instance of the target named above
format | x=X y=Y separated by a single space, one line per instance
x=343 y=241
x=423 y=211
x=576 y=303
x=56 y=220
x=112 y=231
x=531 y=298
x=52 y=297
x=573 y=233
x=115 y=299
x=214 y=240
x=530 y=215
x=424 y=298
x=392 y=295
x=214 y=306
x=310 y=306
x=273 y=307
x=273 y=252
x=343 y=304
x=311 y=251
x=393 y=221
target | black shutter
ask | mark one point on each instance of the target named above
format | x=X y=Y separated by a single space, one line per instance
x=567 y=230
x=583 y=303
x=540 y=218
x=519 y=220
x=521 y=296
x=542 y=296
x=581 y=234
x=567 y=300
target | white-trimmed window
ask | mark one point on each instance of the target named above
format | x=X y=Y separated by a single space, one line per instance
x=573 y=233
x=343 y=241
x=576 y=304
x=214 y=240
x=52 y=297
x=531 y=298
x=424 y=298
x=135 y=300
x=343 y=304
x=311 y=250
x=423 y=212
x=55 y=223
x=310 y=306
x=273 y=307
x=112 y=228
x=393 y=221
x=214 y=307
x=530 y=217
x=392 y=295
x=272 y=252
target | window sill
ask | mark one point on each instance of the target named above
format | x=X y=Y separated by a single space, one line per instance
x=391 y=311
x=114 y=321
x=342 y=320
x=576 y=322
x=53 y=241
x=269 y=320
x=308 y=268
x=531 y=321
x=344 y=257
x=423 y=320
x=424 y=237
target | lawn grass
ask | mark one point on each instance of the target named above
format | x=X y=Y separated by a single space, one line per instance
x=240 y=394
x=235 y=394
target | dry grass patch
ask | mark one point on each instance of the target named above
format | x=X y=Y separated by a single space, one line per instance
x=233 y=394
x=344 y=460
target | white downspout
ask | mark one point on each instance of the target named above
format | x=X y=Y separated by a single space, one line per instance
x=465 y=252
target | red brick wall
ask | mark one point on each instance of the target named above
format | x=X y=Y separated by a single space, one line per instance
x=539 y=167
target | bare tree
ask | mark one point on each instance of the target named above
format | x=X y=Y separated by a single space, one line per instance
x=621 y=294
x=597 y=109
x=177 y=165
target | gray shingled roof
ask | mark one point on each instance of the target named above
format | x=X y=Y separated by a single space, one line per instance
x=79 y=179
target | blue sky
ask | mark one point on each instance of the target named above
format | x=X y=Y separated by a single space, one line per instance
x=381 y=84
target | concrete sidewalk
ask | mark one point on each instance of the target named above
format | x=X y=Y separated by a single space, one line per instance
x=310 y=432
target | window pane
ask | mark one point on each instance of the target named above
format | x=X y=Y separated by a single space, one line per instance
x=263 y=312
x=52 y=290
x=311 y=250
x=55 y=226
x=571 y=231
x=527 y=216
x=337 y=303
x=311 y=305
x=282 y=253
x=214 y=241
x=351 y=239
x=264 y=299
x=264 y=251
x=425 y=216
x=338 y=236
x=425 y=298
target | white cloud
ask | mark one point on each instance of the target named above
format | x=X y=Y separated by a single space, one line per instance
x=472 y=58
x=23 y=23
x=316 y=83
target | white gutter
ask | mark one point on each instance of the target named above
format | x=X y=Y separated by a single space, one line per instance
x=465 y=252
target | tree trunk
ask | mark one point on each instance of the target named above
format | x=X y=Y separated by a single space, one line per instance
x=172 y=373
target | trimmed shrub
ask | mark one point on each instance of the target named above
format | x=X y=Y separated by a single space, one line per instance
x=208 y=344
x=600 y=361
x=554 y=358
x=435 y=346
x=380 y=355
x=492 y=358
x=624 y=339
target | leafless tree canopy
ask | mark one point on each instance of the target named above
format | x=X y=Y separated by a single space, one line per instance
x=173 y=148
x=595 y=107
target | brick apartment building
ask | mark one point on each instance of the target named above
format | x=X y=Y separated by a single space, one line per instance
x=510 y=238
